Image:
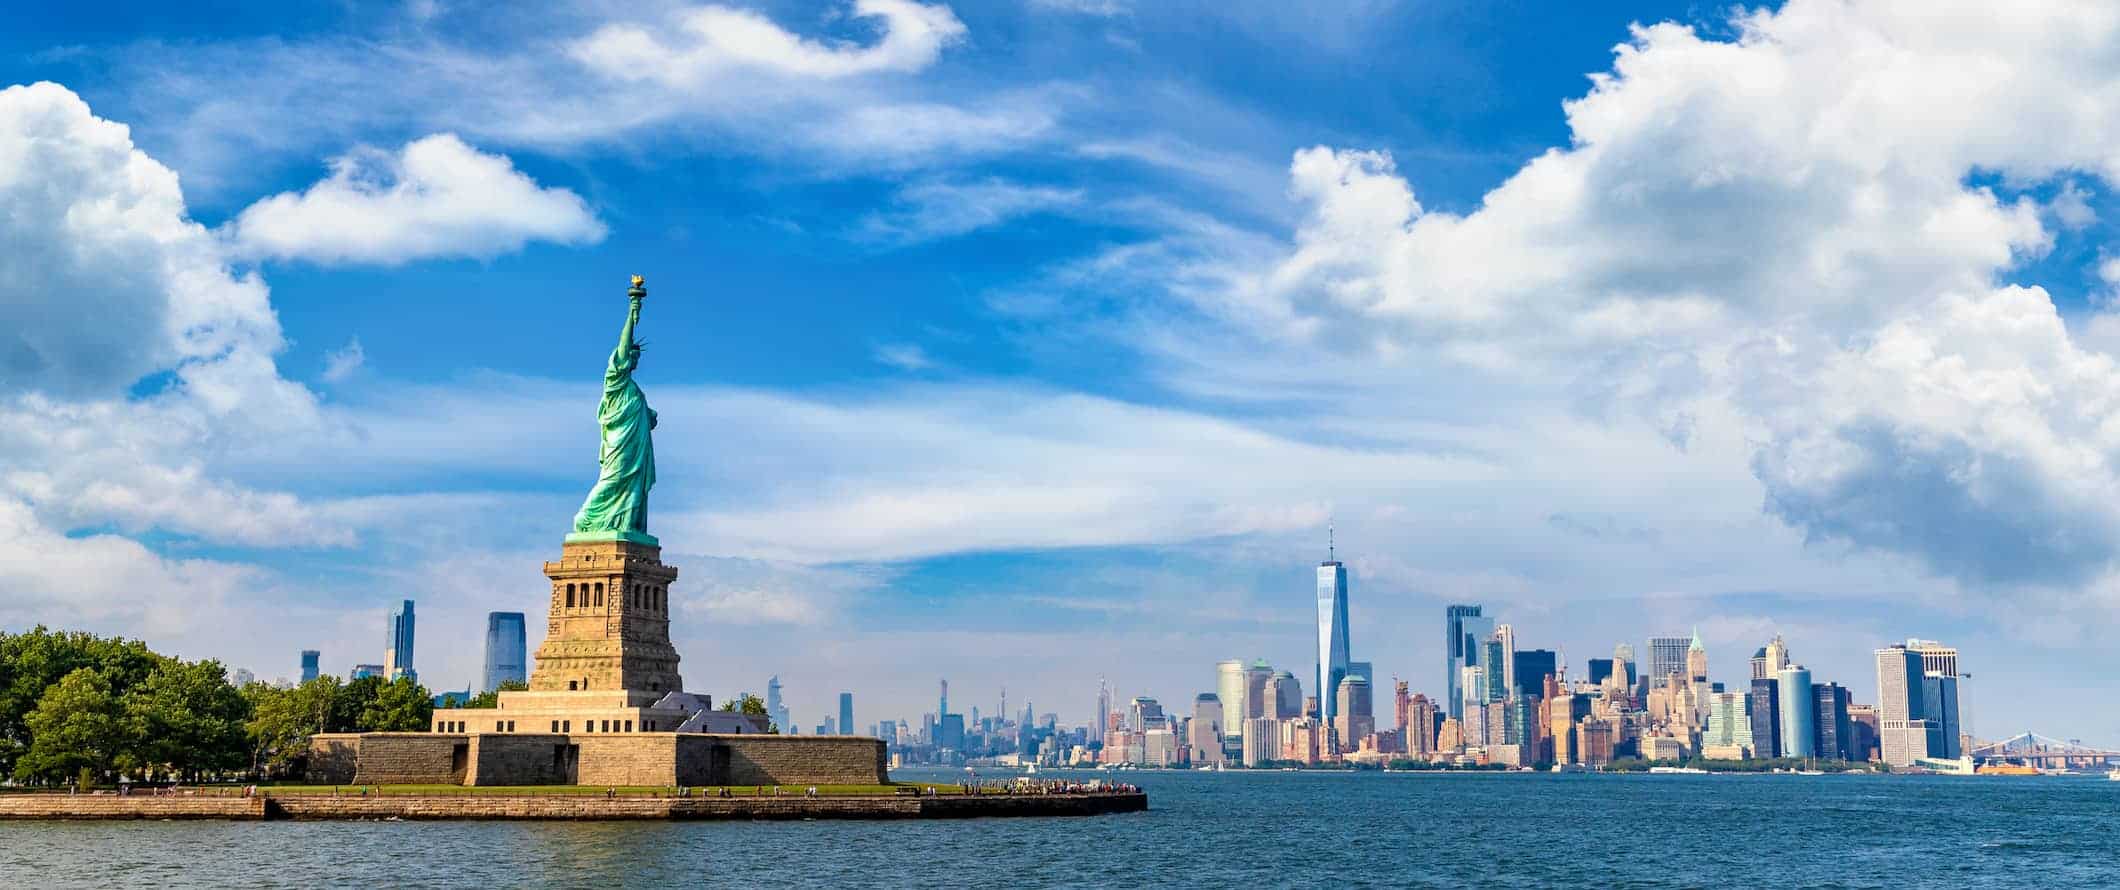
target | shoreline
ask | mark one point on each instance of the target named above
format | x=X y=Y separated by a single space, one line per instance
x=562 y=807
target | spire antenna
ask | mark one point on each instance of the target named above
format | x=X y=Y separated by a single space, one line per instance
x=1332 y=551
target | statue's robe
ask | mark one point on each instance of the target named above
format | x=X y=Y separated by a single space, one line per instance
x=619 y=502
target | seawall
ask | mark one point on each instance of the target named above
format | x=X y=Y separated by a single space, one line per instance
x=567 y=807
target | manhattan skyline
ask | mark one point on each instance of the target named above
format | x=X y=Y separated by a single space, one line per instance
x=1042 y=341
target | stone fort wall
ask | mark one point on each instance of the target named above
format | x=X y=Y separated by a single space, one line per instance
x=652 y=759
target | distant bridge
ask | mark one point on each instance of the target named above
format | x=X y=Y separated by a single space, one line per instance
x=2033 y=749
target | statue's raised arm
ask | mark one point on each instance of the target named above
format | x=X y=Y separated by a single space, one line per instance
x=617 y=507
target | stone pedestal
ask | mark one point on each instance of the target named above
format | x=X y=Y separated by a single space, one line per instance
x=609 y=625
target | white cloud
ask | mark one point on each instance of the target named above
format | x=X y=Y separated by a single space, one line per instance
x=1098 y=8
x=437 y=197
x=934 y=209
x=344 y=362
x=719 y=40
x=904 y=356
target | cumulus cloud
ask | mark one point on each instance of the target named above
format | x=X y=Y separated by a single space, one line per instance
x=715 y=41
x=436 y=197
x=344 y=362
x=1784 y=227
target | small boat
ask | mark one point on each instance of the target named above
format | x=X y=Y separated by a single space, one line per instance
x=1677 y=770
x=2113 y=774
x=1565 y=768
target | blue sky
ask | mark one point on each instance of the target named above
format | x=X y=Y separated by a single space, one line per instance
x=1027 y=341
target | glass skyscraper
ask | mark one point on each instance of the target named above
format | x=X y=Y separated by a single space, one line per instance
x=1463 y=630
x=1799 y=713
x=1667 y=656
x=1332 y=636
x=309 y=664
x=397 y=645
x=507 y=656
x=846 y=713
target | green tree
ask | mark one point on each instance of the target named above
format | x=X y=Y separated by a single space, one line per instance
x=282 y=720
x=351 y=700
x=188 y=719
x=77 y=727
x=751 y=705
x=34 y=661
x=399 y=706
x=493 y=699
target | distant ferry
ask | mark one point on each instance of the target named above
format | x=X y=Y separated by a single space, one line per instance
x=1565 y=768
x=2005 y=769
x=1678 y=770
x=2113 y=774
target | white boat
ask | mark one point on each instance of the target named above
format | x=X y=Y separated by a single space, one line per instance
x=1677 y=770
x=2113 y=774
x=1565 y=768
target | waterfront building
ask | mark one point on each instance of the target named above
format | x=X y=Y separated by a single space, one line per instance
x=949 y=732
x=1562 y=731
x=1401 y=707
x=1256 y=676
x=1450 y=737
x=1662 y=748
x=1766 y=717
x=1159 y=747
x=1204 y=733
x=846 y=713
x=1830 y=733
x=1759 y=664
x=1354 y=716
x=1231 y=686
x=364 y=670
x=1697 y=659
x=1530 y=668
x=1862 y=732
x=1494 y=660
x=1595 y=734
x=310 y=659
x=1472 y=709
x=1799 y=713
x=1939 y=707
x=1421 y=727
x=1332 y=633
x=1284 y=697
x=507 y=651
x=397 y=646
x=1299 y=739
x=777 y=710
x=1506 y=660
x=1667 y=656
x=1729 y=730
x=1262 y=740
x=1463 y=629
x=1144 y=714
x=1903 y=735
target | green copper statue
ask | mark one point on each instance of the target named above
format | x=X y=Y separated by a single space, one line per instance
x=617 y=508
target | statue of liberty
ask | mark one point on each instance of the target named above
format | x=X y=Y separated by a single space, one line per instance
x=617 y=507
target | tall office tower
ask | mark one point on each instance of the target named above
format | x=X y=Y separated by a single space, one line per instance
x=1759 y=664
x=846 y=713
x=1332 y=633
x=397 y=645
x=1353 y=714
x=1284 y=694
x=362 y=671
x=1729 y=724
x=1697 y=659
x=1766 y=717
x=1799 y=713
x=1420 y=729
x=1777 y=656
x=1624 y=663
x=1507 y=636
x=1902 y=732
x=1939 y=707
x=1230 y=686
x=1102 y=719
x=1256 y=704
x=1862 y=732
x=1532 y=667
x=309 y=664
x=1463 y=628
x=1598 y=670
x=776 y=710
x=1262 y=740
x=1667 y=656
x=1832 y=728
x=1401 y=707
x=1204 y=733
x=942 y=704
x=1493 y=653
x=507 y=651
x=1940 y=678
x=1472 y=706
x=1145 y=713
x=1001 y=713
